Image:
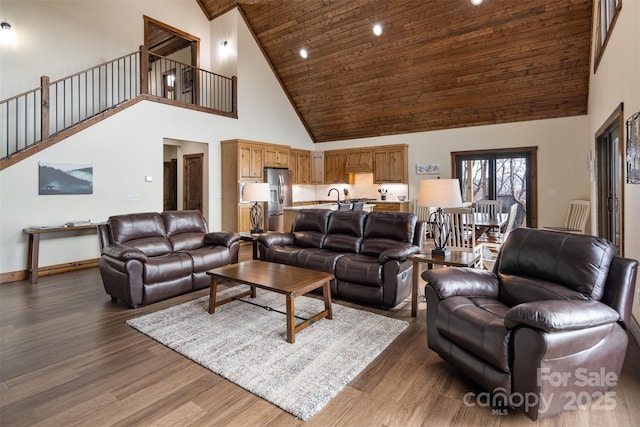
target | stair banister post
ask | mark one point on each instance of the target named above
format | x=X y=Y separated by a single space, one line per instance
x=234 y=94
x=144 y=70
x=44 y=107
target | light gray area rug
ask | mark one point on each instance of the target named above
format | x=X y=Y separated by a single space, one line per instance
x=247 y=345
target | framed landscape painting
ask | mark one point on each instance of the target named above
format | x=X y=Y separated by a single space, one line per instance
x=65 y=178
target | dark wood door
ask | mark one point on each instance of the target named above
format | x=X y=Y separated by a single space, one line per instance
x=193 y=181
x=170 y=185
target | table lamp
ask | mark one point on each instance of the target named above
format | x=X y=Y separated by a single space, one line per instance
x=256 y=192
x=439 y=193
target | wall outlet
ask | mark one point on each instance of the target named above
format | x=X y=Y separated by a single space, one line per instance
x=552 y=192
x=132 y=197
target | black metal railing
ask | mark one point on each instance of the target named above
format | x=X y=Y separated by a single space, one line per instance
x=34 y=116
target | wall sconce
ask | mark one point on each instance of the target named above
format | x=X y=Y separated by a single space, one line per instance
x=224 y=43
x=5 y=26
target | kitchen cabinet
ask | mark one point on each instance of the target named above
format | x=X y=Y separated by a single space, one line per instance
x=390 y=206
x=390 y=164
x=335 y=167
x=300 y=166
x=250 y=160
x=317 y=167
x=276 y=156
x=244 y=219
x=360 y=161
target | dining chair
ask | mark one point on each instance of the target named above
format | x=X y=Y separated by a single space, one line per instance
x=422 y=213
x=462 y=232
x=577 y=217
x=357 y=206
x=489 y=206
x=492 y=242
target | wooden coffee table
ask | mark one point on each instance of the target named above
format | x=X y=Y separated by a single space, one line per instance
x=283 y=279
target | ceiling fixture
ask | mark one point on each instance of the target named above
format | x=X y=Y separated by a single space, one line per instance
x=476 y=2
x=377 y=29
x=303 y=53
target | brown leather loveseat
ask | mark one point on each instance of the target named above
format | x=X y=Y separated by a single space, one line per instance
x=365 y=251
x=148 y=257
x=545 y=331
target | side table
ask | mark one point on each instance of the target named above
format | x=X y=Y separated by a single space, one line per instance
x=455 y=259
x=246 y=236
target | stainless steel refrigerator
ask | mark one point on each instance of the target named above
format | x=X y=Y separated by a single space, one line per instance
x=280 y=195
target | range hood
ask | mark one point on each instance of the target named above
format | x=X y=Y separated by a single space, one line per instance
x=360 y=161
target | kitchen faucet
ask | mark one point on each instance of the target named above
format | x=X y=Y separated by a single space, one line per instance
x=337 y=191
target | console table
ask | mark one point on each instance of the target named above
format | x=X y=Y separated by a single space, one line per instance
x=34 y=244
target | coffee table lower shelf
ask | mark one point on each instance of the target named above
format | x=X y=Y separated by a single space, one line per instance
x=280 y=278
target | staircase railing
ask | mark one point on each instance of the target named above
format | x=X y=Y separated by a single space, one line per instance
x=32 y=117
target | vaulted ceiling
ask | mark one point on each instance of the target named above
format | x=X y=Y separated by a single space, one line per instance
x=438 y=64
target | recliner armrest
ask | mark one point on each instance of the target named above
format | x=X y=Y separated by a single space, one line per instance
x=221 y=238
x=560 y=315
x=124 y=253
x=276 y=239
x=399 y=253
x=462 y=281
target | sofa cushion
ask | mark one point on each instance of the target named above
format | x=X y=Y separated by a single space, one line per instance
x=310 y=227
x=344 y=232
x=143 y=231
x=185 y=229
x=318 y=259
x=477 y=325
x=281 y=254
x=384 y=230
x=573 y=261
x=516 y=290
x=361 y=269
x=208 y=257
x=167 y=267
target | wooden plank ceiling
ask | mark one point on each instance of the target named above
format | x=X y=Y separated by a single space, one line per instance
x=438 y=64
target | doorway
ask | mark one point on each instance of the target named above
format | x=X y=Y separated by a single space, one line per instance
x=192 y=181
x=610 y=186
x=178 y=57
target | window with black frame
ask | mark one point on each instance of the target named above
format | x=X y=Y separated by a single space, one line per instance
x=505 y=175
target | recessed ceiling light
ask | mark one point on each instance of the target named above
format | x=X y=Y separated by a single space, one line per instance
x=303 y=53
x=377 y=29
x=476 y=2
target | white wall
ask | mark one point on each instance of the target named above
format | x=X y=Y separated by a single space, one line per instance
x=59 y=38
x=618 y=80
x=126 y=147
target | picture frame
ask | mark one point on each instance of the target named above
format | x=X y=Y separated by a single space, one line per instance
x=633 y=149
x=428 y=168
x=64 y=178
x=187 y=79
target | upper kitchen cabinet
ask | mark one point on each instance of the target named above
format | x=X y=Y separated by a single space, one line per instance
x=276 y=156
x=317 y=167
x=300 y=166
x=360 y=161
x=244 y=159
x=335 y=167
x=391 y=164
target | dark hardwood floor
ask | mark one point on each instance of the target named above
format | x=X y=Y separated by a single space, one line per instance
x=68 y=358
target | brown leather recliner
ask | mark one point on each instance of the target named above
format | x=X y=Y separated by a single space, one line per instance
x=150 y=256
x=546 y=330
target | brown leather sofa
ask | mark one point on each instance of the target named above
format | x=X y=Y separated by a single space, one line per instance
x=365 y=251
x=546 y=330
x=148 y=257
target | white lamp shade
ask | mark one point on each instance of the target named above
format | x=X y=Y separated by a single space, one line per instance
x=256 y=192
x=440 y=193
